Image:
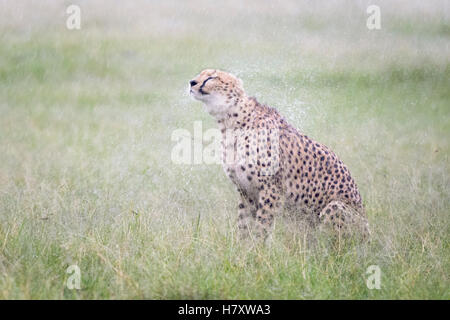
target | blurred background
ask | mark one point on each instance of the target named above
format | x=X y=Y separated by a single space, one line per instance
x=87 y=116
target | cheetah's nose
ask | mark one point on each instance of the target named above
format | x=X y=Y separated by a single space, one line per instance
x=193 y=83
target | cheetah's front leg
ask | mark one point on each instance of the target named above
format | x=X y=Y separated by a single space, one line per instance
x=246 y=214
x=269 y=204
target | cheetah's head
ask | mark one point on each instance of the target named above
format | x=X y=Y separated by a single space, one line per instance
x=218 y=90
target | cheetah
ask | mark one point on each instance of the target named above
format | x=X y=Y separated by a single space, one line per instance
x=274 y=166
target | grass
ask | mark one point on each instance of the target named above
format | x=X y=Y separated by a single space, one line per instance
x=85 y=144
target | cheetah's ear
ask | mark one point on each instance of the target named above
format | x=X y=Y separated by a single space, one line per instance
x=240 y=82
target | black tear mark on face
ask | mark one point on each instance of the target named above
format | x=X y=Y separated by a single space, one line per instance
x=203 y=84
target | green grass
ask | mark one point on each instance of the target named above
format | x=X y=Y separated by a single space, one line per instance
x=86 y=177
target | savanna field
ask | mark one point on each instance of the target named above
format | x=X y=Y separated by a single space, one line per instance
x=86 y=124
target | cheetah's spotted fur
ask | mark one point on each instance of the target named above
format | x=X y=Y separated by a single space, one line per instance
x=273 y=165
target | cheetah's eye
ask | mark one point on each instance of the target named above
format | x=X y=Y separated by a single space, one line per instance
x=203 y=84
